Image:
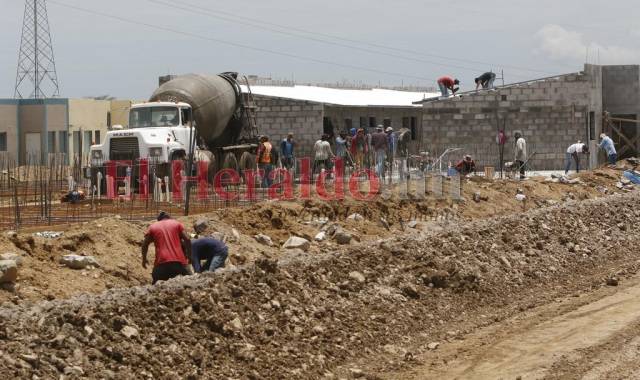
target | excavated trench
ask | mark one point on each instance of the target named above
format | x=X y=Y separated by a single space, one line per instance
x=317 y=316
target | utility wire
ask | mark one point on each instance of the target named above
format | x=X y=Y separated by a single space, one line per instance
x=235 y=44
x=312 y=35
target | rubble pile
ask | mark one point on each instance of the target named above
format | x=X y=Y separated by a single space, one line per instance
x=307 y=316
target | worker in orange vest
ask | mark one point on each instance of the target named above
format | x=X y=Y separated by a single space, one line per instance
x=263 y=160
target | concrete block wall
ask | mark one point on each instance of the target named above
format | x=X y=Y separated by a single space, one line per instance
x=551 y=114
x=621 y=89
x=278 y=116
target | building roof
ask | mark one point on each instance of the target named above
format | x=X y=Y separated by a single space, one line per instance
x=341 y=97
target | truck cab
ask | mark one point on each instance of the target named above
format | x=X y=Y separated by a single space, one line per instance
x=158 y=131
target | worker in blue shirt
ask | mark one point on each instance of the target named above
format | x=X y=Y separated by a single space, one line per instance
x=607 y=145
x=287 y=147
x=213 y=251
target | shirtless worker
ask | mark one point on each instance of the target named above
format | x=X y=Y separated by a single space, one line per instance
x=171 y=242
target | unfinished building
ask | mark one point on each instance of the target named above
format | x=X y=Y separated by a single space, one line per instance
x=551 y=113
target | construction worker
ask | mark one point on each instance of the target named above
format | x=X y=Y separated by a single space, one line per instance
x=213 y=251
x=341 y=147
x=287 y=147
x=607 y=145
x=485 y=80
x=573 y=153
x=466 y=166
x=173 y=248
x=520 y=153
x=392 y=148
x=380 y=144
x=263 y=159
x=446 y=84
x=359 y=148
x=322 y=154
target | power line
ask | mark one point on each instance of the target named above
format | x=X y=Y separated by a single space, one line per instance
x=235 y=44
x=312 y=35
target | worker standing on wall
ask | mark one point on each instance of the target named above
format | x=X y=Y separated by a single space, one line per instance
x=173 y=248
x=446 y=84
x=521 y=153
x=485 y=80
x=607 y=145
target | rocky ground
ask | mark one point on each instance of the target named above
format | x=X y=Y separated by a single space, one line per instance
x=365 y=310
x=115 y=243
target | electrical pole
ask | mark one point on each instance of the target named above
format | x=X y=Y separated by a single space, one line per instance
x=36 y=72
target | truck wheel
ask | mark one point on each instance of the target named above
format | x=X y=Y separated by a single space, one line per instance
x=247 y=162
x=212 y=169
x=230 y=162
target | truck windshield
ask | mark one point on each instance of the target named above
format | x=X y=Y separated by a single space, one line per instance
x=154 y=117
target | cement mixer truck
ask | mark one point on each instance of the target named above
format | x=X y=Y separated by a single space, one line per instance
x=207 y=115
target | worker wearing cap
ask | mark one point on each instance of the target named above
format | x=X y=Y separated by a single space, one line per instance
x=173 y=248
x=380 y=144
x=213 y=251
x=607 y=145
x=446 y=84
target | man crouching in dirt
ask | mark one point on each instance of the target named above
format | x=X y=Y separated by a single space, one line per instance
x=213 y=251
x=173 y=248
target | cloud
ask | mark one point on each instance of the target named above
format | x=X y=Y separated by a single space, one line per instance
x=559 y=43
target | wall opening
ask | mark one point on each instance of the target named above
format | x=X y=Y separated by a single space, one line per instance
x=51 y=142
x=414 y=128
x=592 y=125
x=386 y=122
x=3 y=141
x=372 y=122
x=327 y=126
x=363 y=122
x=348 y=124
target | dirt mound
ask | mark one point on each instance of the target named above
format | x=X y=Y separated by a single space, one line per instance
x=306 y=316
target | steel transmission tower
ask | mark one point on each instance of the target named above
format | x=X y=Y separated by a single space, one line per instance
x=36 y=74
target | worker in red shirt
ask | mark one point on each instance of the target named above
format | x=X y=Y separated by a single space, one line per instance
x=171 y=242
x=447 y=83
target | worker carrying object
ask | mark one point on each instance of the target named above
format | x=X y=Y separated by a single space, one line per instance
x=573 y=153
x=446 y=84
x=466 y=166
x=485 y=80
x=213 y=251
x=173 y=248
x=607 y=145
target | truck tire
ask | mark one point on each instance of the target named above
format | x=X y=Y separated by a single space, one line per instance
x=247 y=162
x=212 y=170
x=230 y=162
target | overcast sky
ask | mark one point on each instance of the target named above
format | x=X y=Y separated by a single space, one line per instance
x=388 y=42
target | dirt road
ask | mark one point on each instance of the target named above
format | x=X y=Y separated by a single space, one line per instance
x=595 y=336
x=325 y=316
